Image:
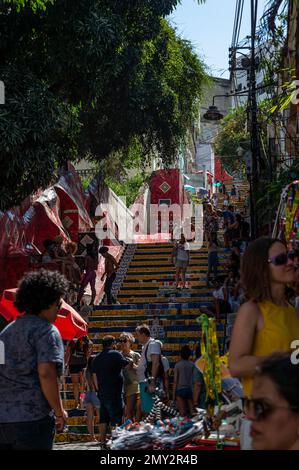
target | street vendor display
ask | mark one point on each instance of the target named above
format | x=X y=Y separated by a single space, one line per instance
x=165 y=429
x=287 y=222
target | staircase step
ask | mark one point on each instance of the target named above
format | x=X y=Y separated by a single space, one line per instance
x=162 y=313
x=164 y=299
x=158 y=291
x=162 y=255
x=166 y=292
x=165 y=276
x=147 y=305
x=174 y=319
x=63 y=438
x=143 y=270
x=154 y=284
x=166 y=262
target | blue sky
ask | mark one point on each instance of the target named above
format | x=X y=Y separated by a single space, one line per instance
x=210 y=27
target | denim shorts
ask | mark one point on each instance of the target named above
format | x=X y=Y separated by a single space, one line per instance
x=91 y=398
x=31 y=435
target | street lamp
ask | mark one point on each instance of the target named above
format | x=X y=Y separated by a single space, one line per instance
x=213 y=113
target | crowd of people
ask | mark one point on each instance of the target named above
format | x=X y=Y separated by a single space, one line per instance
x=37 y=359
x=224 y=228
x=121 y=383
x=62 y=256
x=260 y=284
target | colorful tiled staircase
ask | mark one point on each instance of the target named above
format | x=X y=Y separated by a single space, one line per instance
x=147 y=295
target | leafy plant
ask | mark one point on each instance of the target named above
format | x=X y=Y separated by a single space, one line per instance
x=232 y=134
x=90 y=79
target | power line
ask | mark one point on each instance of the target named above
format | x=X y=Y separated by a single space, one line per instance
x=240 y=22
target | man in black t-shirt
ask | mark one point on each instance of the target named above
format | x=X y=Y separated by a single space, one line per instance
x=107 y=367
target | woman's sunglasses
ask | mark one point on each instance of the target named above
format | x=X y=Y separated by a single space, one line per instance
x=260 y=408
x=122 y=340
x=281 y=259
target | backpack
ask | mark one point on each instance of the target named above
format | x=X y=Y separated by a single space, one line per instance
x=148 y=369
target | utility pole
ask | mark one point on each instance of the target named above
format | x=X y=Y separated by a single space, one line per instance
x=254 y=127
x=297 y=54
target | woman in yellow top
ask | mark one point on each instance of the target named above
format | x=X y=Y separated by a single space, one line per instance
x=266 y=323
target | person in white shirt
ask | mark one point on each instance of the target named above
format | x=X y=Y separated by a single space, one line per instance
x=150 y=368
x=220 y=304
x=226 y=202
x=180 y=257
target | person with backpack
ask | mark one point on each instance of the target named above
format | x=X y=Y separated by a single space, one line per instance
x=150 y=370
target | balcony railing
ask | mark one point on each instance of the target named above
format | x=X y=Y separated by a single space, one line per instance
x=87 y=172
x=283 y=150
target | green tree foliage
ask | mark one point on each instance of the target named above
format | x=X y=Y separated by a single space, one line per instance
x=128 y=187
x=33 y=4
x=232 y=134
x=89 y=78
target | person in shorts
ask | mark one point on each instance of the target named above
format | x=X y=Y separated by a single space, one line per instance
x=91 y=266
x=77 y=354
x=185 y=375
x=180 y=257
x=150 y=368
x=91 y=400
x=131 y=384
x=111 y=266
x=108 y=366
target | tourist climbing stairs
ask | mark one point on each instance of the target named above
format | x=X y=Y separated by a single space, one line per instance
x=148 y=295
x=145 y=288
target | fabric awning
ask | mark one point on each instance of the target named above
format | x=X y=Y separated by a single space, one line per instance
x=69 y=323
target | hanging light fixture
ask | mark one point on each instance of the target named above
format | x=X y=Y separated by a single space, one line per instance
x=213 y=114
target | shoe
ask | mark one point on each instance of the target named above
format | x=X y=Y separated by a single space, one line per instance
x=103 y=446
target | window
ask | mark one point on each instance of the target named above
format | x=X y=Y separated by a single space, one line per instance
x=166 y=202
